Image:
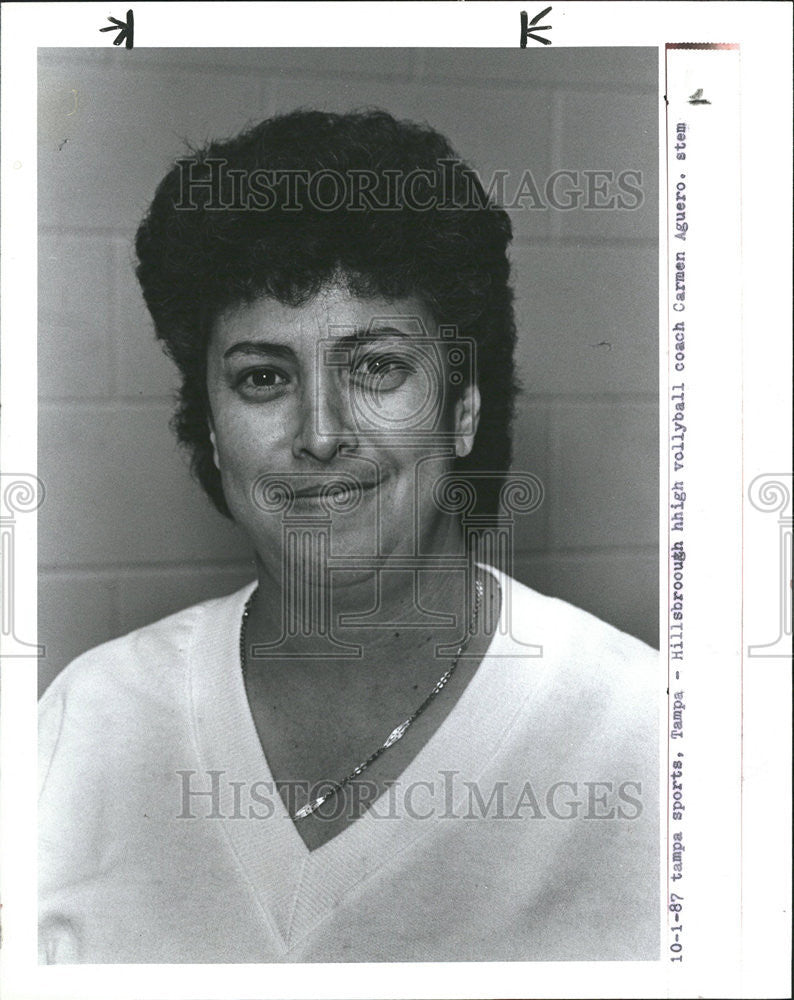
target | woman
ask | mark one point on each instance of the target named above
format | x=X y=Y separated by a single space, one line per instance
x=384 y=748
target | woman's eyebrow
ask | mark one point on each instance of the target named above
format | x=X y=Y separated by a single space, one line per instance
x=261 y=348
x=266 y=348
x=369 y=333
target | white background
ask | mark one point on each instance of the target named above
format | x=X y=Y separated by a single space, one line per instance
x=740 y=944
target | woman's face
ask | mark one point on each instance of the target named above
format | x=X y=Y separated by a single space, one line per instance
x=362 y=392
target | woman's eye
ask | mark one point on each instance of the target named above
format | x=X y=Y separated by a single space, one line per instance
x=382 y=372
x=261 y=380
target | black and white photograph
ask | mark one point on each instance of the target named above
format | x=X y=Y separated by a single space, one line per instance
x=371 y=608
x=379 y=682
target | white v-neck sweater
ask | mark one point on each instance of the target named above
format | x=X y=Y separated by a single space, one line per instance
x=526 y=828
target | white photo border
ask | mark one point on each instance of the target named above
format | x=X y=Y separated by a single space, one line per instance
x=737 y=703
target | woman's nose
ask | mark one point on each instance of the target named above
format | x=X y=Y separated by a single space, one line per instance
x=324 y=418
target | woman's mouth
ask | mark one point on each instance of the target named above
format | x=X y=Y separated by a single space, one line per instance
x=335 y=492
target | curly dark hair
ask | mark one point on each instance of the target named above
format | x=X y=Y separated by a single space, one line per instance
x=202 y=250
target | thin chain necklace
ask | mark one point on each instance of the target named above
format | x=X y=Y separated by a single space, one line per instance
x=399 y=731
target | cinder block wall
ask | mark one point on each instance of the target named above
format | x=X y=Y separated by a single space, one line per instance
x=125 y=536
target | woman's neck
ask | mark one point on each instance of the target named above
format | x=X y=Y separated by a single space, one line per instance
x=317 y=604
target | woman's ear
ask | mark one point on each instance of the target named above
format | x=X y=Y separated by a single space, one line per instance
x=214 y=449
x=467 y=419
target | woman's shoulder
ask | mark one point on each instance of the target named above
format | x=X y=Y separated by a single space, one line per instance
x=571 y=644
x=595 y=689
x=532 y=611
x=148 y=654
